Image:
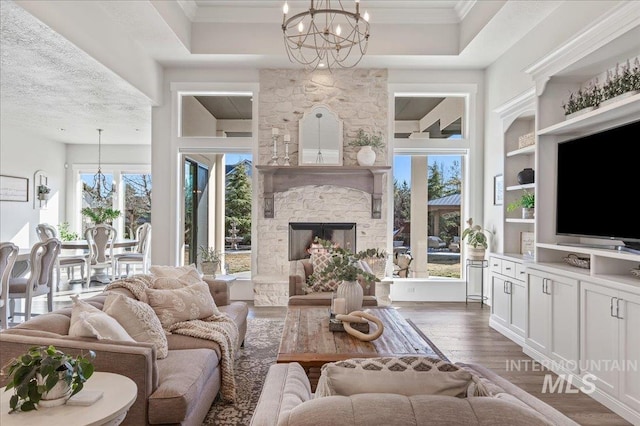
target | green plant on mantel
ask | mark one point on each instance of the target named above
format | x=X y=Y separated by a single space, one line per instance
x=585 y=98
x=365 y=139
x=53 y=366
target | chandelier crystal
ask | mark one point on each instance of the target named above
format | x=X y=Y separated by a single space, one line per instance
x=100 y=187
x=326 y=35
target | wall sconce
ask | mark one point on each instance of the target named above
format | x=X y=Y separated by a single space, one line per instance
x=376 y=206
x=41 y=189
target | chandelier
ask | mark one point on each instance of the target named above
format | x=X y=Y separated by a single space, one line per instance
x=324 y=36
x=100 y=188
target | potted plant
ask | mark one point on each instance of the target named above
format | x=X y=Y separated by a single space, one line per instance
x=65 y=233
x=100 y=215
x=528 y=202
x=584 y=101
x=209 y=260
x=43 y=192
x=368 y=145
x=46 y=377
x=476 y=239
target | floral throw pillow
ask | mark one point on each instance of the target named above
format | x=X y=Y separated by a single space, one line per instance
x=182 y=304
x=320 y=261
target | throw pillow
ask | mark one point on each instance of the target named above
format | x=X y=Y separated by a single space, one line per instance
x=173 y=283
x=404 y=375
x=320 y=261
x=176 y=271
x=139 y=320
x=182 y=304
x=89 y=321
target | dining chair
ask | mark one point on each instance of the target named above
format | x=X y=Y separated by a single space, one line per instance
x=42 y=262
x=46 y=231
x=101 y=240
x=8 y=255
x=141 y=255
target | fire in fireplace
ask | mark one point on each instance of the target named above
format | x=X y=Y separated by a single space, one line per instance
x=301 y=234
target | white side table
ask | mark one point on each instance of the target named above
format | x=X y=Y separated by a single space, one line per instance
x=119 y=393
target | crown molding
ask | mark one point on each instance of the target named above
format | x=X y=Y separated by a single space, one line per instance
x=613 y=24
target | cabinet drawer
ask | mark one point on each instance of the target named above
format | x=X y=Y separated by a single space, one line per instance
x=520 y=272
x=509 y=268
x=495 y=265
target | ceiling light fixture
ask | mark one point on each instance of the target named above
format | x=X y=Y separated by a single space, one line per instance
x=101 y=190
x=322 y=34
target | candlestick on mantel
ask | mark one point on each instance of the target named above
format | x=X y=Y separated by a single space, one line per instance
x=274 y=154
x=275 y=131
x=287 y=139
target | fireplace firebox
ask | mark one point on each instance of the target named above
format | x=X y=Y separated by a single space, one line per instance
x=301 y=234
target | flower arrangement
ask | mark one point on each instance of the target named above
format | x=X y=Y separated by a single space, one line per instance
x=364 y=139
x=100 y=214
x=345 y=266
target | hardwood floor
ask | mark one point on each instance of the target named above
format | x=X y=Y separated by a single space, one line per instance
x=462 y=333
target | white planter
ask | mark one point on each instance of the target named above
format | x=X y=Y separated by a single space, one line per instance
x=58 y=395
x=475 y=253
x=579 y=112
x=619 y=98
x=528 y=213
x=352 y=293
x=366 y=156
x=210 y=268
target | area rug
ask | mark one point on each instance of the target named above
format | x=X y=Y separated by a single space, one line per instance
x=259 y=353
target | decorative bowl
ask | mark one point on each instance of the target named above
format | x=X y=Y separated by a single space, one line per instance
x=580 y=262
x=636 y=272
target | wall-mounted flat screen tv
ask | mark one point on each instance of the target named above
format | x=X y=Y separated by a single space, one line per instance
x=598 y=185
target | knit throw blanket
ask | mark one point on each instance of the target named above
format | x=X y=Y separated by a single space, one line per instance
x=219 y=328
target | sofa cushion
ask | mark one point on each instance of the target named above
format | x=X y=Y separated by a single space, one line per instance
x=139 y=320
x=180 y=272
x=182 y=377
x=89 y=321
x=319 y=262
x=417 y=410
x=403 y=375
x=182 y=304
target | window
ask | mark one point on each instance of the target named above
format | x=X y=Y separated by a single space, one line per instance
x=430 y=153
x=137 y=202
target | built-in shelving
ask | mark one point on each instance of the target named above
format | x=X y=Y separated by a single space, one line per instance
x=527 y=150
x=520 y=187
x=518 y=220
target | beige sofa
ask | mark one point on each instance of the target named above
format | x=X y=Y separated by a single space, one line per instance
x=286 y=399
x=178 y=389
x=298 y=274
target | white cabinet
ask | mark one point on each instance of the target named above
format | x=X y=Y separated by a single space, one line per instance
x=553 y=318
x=610 y=341
x=509 y=297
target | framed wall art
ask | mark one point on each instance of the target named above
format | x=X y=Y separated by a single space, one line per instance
x=13 y=188
x=498 y=190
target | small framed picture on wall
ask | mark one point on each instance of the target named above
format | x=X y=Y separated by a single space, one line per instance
x=498 y=190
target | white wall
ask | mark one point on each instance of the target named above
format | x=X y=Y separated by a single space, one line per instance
x=21 y=155
x=505 y=79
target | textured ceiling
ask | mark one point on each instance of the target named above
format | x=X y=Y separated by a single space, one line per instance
x=48 y=84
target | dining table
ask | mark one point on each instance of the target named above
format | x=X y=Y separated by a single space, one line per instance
x=99 y=276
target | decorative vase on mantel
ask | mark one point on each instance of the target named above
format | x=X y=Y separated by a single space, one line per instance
x=366 y=156
x=352 y=293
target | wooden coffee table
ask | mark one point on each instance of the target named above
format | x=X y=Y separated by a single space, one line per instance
x=306 y=339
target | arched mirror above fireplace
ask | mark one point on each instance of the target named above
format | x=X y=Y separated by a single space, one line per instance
x=320 y=138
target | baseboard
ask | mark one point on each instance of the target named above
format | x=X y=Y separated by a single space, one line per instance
x=506 y=332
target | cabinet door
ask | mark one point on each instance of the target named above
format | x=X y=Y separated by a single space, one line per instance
x=630 y=349
x=564 y=320
x=539 y=320
x=598 y=335
x=518 y=317
x=500 y=302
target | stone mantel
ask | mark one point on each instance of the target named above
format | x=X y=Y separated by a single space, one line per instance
x=283 y=178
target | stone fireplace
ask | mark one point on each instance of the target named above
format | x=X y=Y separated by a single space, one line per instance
x=360 y=98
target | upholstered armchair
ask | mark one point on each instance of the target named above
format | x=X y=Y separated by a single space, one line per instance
x=298 y=273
